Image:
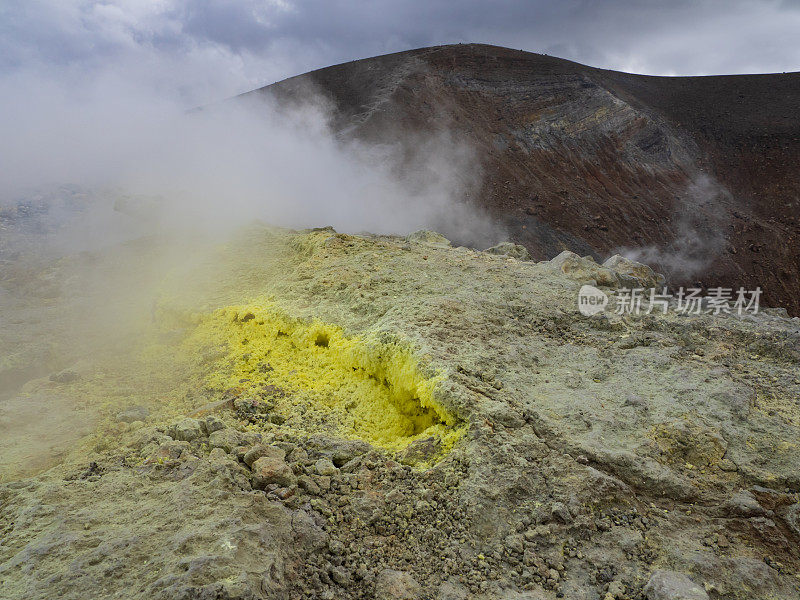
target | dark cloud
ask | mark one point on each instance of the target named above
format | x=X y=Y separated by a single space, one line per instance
x=218 y=47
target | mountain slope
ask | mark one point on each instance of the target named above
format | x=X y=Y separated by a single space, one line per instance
x=698 y=174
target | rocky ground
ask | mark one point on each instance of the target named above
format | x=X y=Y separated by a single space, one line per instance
x=605 y=457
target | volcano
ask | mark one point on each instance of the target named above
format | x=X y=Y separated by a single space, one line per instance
x=698 y=176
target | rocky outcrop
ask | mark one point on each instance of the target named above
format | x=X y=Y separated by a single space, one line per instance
x=636 y=456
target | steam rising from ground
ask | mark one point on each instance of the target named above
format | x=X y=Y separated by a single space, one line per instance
x=109 y=188
x=228 y=164
x=699 y=232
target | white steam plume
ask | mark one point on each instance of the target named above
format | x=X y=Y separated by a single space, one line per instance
x=699 y=233
x=224 y=166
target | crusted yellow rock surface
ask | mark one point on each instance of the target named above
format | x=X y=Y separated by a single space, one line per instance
x=371 y=389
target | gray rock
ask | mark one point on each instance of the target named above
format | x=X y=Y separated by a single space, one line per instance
x=510 y=249
x=670 y=585
x=424 y=236
x=742 y=573
x=260 y=451
x=324 y=466
x=309 y=485
x=227 y=439
x=515 y=543
x=340 y=575
x=171 y=450
x=132 y=414
x=583 y=270
x=396 y=585
x=452 y=591
x=187 y=429
x=792 y=518
x=211 y=424
x=560 y=512
x=502 y=413
x=420 y=451
x=340 y=451
x=643 y=472
x=743 y=504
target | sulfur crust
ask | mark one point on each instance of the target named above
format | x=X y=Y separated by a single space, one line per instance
x=373 y=390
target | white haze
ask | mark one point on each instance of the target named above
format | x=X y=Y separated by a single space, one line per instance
x=699 y=227
x=225 y=165
x=114 y=164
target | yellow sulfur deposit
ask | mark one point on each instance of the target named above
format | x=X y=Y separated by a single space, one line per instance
x=313 y=375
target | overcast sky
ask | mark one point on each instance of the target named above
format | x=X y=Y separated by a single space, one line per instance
x=201 y=50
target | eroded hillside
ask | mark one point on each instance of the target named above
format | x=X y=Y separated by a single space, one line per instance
x=696 y=174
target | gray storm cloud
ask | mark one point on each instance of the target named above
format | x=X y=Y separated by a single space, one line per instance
x=206 y=49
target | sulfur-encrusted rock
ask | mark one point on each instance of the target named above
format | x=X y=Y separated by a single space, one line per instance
x=584 y=269
x=510 y=249
x=227 y=439
x=170 y=450
x=211 y=423
x=646 y=277
x=260 y=451
x=187 y=429
x=324 y=466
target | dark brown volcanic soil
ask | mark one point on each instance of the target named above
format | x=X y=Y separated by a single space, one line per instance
x=703 y=171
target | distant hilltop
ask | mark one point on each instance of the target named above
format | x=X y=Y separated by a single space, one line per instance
x=697 y=176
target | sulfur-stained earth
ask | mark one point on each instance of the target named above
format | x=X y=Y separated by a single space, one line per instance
x=319 y=415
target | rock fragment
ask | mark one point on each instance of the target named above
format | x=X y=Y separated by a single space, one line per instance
x=420 y=451
x=670 y=585
x=743 y=504
x=260 y=451
x=133 y=414
x=642 y=273
x=324 y=466
x=272 y=469
x=227 y=439
x=186 y=430
x=211 y=424
x=510 y=249
x=584 y=270
x=396 y=585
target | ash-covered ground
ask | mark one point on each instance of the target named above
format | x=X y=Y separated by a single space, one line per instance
x=318 y=415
